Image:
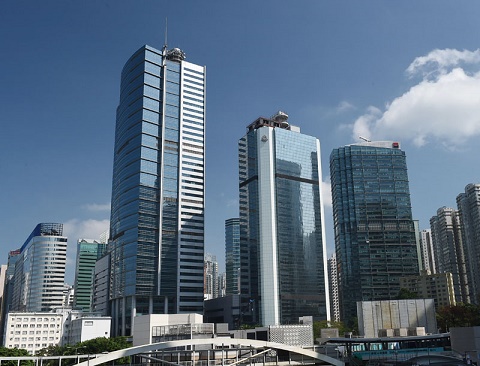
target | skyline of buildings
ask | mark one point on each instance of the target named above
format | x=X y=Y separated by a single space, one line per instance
x=275 y=251
x=375 y=237
x=283 y=259
x=157 y=212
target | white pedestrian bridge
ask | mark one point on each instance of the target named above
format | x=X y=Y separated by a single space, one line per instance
x=203 y=352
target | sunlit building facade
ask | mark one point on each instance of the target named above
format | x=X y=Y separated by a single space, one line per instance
x=282 y=243
x=375 y=239
x=39 y=276
x=157 y=218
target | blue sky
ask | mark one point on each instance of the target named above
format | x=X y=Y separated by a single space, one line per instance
x=397 y=70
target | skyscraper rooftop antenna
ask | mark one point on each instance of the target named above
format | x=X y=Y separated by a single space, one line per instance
x=165 y=44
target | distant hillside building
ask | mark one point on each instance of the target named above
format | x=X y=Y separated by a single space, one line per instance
x=438 y=286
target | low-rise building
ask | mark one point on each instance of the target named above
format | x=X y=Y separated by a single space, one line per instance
x=396 y=317
x=438 y=286
x=82 y=327
x=33 y=331
x=63 y=326
x=150 y=328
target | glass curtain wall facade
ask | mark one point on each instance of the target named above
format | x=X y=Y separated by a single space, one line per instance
x=232 y=256
x=282 y=243
x=39 y=275
x=375 y=240
x=157 y=219
x=88 y=252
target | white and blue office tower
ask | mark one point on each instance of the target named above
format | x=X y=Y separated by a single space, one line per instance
x=157 y=219
x=283 y=270
x=39 y=274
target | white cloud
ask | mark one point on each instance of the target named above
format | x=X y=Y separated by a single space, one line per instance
x=442 y=60
x=326 y=193
x=97 y=207
x=445 y=109
x=84 y=229
x=344 y=106
x=80 y=229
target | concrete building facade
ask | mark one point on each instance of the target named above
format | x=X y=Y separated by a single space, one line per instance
x=449 y=251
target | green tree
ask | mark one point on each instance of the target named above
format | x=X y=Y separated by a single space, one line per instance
x=90 y=347
x=460 y=315
x=15 y=352
x=405 y=294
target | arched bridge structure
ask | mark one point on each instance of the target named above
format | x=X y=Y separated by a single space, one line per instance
x=216 y=351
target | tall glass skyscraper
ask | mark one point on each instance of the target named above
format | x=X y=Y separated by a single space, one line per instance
x=282 y=243
x=232 y=256
x=88 y=252
x=157 y=218
x=375 y=240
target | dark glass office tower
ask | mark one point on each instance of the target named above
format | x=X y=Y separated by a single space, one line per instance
x=232 y=256
x=157 y=219
x=282 y=242
x=374 y=231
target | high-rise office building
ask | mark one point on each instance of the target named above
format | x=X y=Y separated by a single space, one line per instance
x=333 y=286
x=210 y=274
x=39 y=276
x=7 y=298
x=449 y=254
x=157 y=218
x=282 y=242
x=88 y=252
x=375 y=239
x=468 y=204
x=427 y=251
x=232 y=256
